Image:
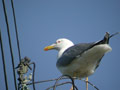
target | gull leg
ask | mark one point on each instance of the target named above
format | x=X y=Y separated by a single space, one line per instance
x=86 y=83
x=71 y=88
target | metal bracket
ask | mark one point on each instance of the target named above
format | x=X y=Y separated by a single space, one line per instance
x=22 y=69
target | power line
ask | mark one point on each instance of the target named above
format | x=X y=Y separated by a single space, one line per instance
x=10 y=45
x=12 y=4
x=3 y=59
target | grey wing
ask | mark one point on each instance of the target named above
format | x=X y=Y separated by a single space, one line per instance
x=71 y=53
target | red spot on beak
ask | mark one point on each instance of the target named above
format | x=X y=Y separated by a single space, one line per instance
x=46 y=49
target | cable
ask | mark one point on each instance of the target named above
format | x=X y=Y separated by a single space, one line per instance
x=3 y=59
x=55 y=79
x=11 y=52
x=59 y=85
x=13 y=10
x=33 y=77
x=73 y=84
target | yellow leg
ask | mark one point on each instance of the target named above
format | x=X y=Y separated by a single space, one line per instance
x=86 y=83
x=71 y=88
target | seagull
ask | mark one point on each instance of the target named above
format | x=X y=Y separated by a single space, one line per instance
x=80 y=60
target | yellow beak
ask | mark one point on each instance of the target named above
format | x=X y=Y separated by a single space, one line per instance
x=48 y=48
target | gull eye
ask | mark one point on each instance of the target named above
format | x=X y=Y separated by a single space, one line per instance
x=58 y=41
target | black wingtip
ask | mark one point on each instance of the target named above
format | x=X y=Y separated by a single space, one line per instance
x=114 y=34
x=108 y=36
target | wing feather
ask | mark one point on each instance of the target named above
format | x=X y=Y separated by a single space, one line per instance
x=71 y=53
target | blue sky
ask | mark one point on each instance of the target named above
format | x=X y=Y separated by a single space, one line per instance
x=41 y=22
